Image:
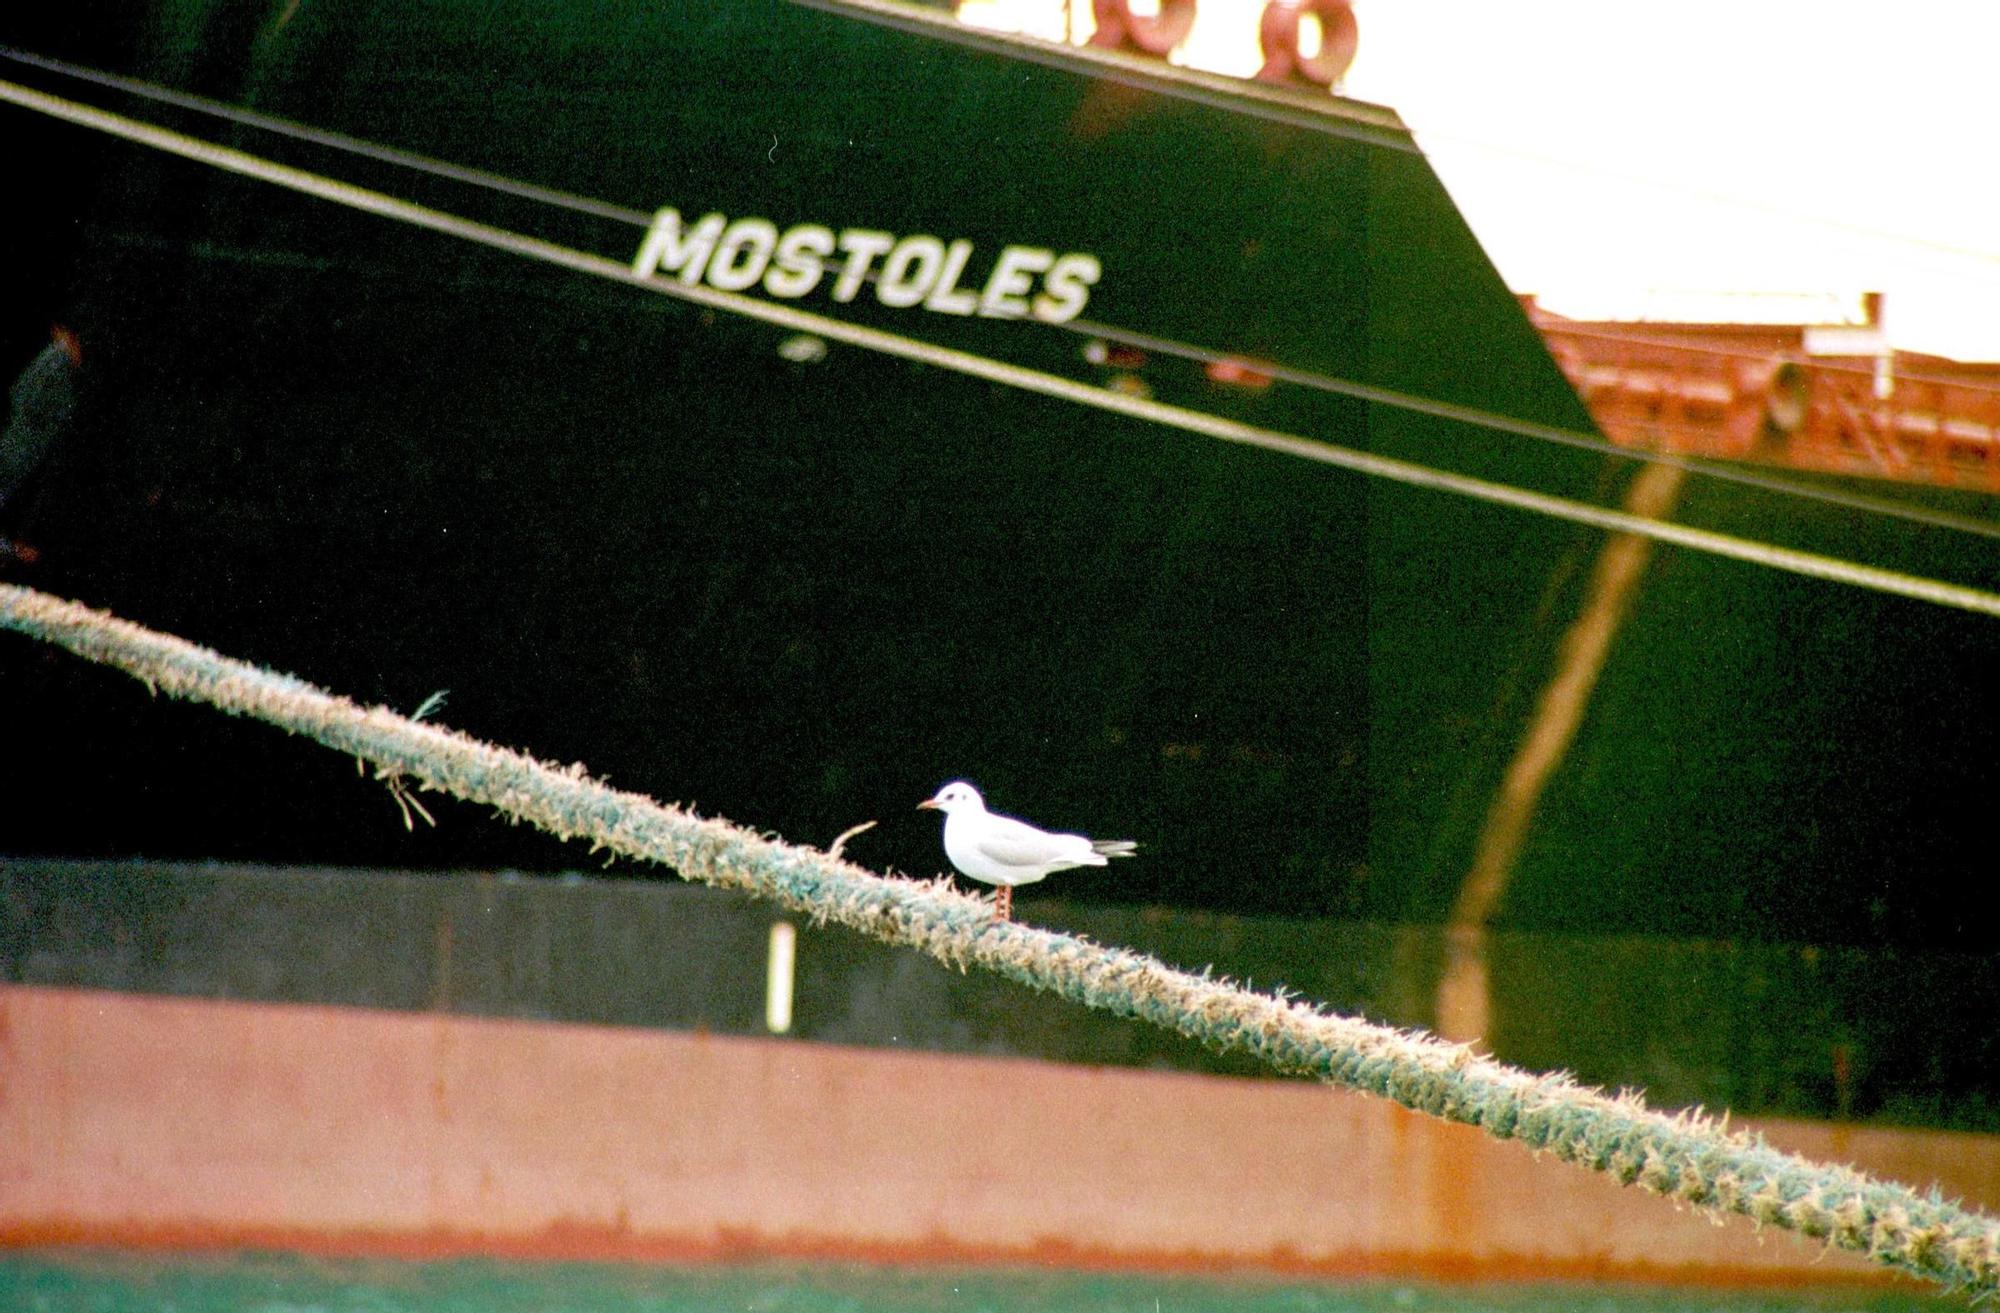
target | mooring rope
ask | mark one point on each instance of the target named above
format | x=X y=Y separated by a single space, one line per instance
x=1687 y=1157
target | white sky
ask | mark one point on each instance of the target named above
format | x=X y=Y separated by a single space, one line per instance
x=1604 y=150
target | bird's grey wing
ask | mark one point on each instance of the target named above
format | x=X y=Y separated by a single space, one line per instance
x=1015 y=843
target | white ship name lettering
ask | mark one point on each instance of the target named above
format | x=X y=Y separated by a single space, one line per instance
x=1023 y=282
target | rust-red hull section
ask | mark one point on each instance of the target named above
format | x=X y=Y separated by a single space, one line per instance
x=154 y=1122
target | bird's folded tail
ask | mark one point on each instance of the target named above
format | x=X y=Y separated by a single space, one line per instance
x=1114 y=847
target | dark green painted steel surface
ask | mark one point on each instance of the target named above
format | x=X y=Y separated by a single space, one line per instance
x=623 y=530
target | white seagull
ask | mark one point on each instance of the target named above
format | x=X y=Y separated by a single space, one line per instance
x=1005 y=852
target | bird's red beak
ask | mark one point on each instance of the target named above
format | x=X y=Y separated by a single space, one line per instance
x=928 y=804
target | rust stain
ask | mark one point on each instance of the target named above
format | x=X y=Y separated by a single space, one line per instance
x=580 y=1241
x=1108 y=108
x=1584 y=649
x=1462 y=994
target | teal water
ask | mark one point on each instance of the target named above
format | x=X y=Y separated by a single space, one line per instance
x=93 y=1282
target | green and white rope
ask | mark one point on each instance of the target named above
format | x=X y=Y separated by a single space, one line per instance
x=1688 y=1157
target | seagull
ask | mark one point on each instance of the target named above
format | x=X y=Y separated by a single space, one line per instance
x=1002 y=851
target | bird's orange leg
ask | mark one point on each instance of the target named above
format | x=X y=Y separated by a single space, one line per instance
x=1003 y=902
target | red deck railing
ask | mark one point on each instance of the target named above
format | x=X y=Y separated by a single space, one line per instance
x=1753 y=393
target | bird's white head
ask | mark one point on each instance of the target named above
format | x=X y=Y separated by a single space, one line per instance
x=955 y=796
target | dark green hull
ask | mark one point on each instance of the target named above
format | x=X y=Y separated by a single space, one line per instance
x=803 y=592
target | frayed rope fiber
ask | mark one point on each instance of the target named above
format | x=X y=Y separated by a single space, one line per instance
x=1688 y=1157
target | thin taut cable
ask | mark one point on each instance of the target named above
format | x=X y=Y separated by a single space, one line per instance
x=1790 y=560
